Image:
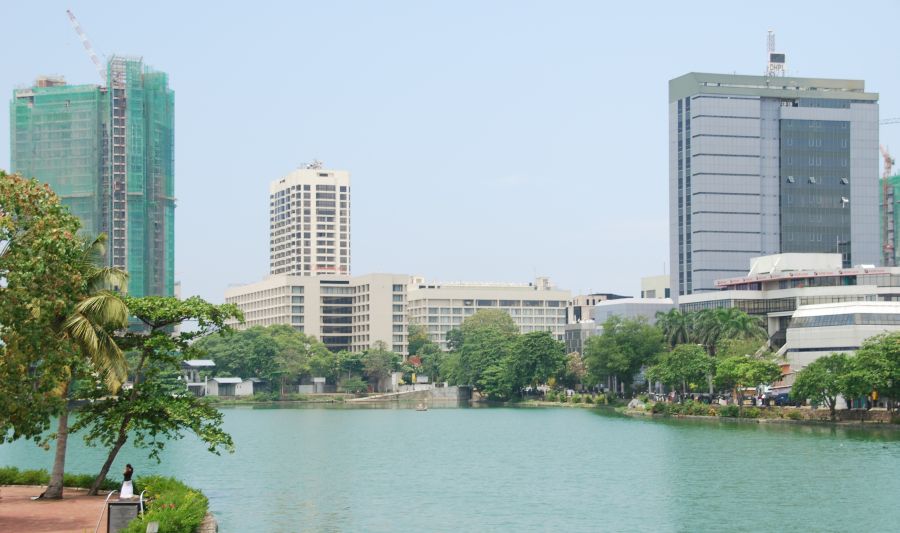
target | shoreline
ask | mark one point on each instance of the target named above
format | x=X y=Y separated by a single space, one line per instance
x=531 y=404
x=855 y=424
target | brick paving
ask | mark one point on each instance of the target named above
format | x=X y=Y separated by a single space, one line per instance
x=75 y=513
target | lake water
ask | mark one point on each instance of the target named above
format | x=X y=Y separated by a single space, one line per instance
x=501 y=469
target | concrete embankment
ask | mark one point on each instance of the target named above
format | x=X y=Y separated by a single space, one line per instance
x=448 y=394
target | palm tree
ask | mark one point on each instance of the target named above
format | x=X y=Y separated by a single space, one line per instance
x=677 y=327
x=99 y=312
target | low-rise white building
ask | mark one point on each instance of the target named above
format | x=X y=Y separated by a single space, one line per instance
x=777 y=285
x=345 y=313
x=440 y=307
x=817 y=330
x=229 y=387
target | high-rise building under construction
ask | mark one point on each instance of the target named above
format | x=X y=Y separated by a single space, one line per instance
x=108 y=152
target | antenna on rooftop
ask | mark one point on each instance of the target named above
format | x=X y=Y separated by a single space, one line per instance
x=316 y=164
x=775 y=59
x=87 y=46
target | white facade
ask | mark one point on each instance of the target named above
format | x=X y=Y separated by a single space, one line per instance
x=440 y=307
x=630 y=308
x=818 y=330
x=777 y=286
x=309 y=223
x=345 y=313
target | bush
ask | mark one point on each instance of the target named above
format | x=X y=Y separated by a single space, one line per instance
x=563 y=398
x=660 y=408
x=266 y=396
x=729 y=411
x=643 y=398
x=576 y=398
x=601 y=398
x=751 y=412
x=588 y=399
x=354 y=385
x=177 y=507
x=794 y=415
x=11 y=475
x=550 y=396
x=296 y=397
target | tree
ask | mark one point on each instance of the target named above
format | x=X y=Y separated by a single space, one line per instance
x=89 y=327
x=876 y=368
x=621 y=350
x=712 y=326
x=153 y=411
x=55 y=315
x=486 y=341
x=379 y=362
x=277 y=353
x=823 y=380
x=739 y=372
x=535 y=358
x=489 y=319
x=576 y=370
x=676 y=326
x=684 y=365
x=432 y=359
x=418 y=338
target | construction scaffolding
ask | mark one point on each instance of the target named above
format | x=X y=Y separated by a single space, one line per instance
x=108 y=152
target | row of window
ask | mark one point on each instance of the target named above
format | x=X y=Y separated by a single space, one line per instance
x=848 y=319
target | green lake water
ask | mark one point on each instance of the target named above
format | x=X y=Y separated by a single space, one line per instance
x=502 y=469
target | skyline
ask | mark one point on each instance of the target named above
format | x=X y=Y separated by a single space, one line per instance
x=409 y=109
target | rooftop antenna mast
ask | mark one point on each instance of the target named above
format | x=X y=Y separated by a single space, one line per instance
x=775 y=59
x=87 y=46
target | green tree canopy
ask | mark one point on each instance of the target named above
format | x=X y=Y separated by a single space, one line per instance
x=739 y=372
x=876 y=367
x=379 y=362
x=155 y=410
x=486 y=341
x=685 y=365
x=621 y=350
x=536 y=357
x=823 y=381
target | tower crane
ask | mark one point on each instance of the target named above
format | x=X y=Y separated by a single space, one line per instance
x=87 y=46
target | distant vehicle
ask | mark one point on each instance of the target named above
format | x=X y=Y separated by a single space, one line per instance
x=782 y=399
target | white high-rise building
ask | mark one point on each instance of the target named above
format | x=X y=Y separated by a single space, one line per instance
x=309 y=222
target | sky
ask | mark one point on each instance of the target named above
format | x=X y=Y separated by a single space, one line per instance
x=486 y=140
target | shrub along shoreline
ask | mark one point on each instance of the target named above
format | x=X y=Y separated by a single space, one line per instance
x=11 y=475
x=698 y=410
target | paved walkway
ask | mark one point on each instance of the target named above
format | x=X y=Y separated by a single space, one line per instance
x=75 y=513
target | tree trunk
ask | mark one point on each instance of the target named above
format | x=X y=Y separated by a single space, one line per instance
x=95 y=486
x=123 y=429
x=55 y=488
x=832 y=406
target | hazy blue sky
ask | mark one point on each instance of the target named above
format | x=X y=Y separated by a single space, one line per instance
x=486 y=140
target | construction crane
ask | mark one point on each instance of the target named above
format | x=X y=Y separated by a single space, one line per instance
x=87 y=46
x=888 y=162
x=895 y=120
